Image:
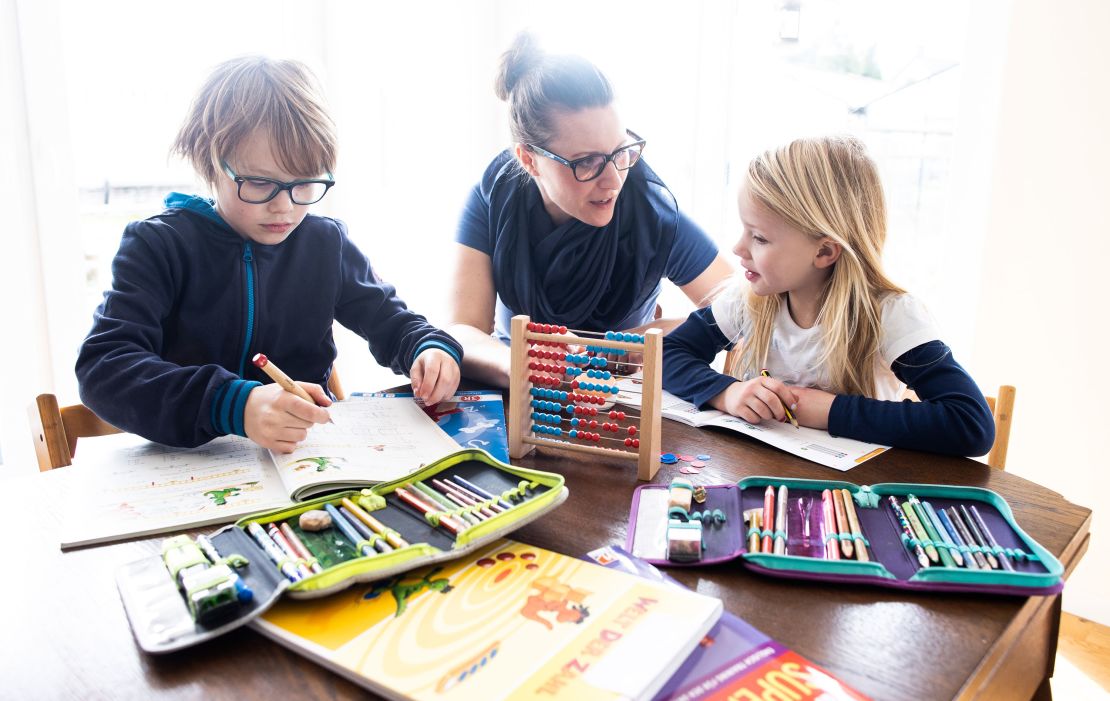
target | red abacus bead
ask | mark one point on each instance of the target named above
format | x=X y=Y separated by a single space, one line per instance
x=635 y=442
x=628 y=442
x=593 y=412
x=574 y=385
x=593 y=424
x=531 y=326
x=632 y=430
x=597 y=438
x=562 y=329
x=613 y=414
x=620 y=415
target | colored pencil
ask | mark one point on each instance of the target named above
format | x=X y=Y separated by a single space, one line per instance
x=927 y=524
x=287 y=548
x=919 y=531
x=781 y=522
x=969 y=559
x=273 y=551
x=752 y=518
x=480 y=492
x=446 y=520
x=299 y=547
x=349 y=531
x=842 y=526
x=392 y=538
x=768 y=517
x=828 y=512
x=853 y=521
x=957 y=556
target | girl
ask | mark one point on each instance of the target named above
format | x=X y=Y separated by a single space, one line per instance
x=840 y=340
x=569 y=226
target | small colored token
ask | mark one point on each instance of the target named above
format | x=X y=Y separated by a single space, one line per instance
x=704 y=457
x=698 y=464
x=668 y=458
x=686 y=458
x=687 y=471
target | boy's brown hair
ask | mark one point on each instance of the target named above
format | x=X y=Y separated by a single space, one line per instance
x=254 y=92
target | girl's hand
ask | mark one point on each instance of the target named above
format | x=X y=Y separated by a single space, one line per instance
x=279 y=420
x=813 y=407
x=435 y=376
x=758 y=399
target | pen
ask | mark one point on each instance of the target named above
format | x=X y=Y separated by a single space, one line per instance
x=961 y=528
x=979 y=538
x=1002 y=556
x=780 y=521
x=917 y=551
x=789 y=416
x=954 y=533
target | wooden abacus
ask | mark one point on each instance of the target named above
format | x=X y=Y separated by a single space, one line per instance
x=550 y=406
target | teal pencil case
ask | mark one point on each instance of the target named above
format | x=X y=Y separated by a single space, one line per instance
x=909 y=536
x=198 y=589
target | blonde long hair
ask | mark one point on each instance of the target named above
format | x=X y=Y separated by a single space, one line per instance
x=827 y=187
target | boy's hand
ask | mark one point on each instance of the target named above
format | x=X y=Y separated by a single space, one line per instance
x=279 y=420
x=435 y=376
x=758 y=399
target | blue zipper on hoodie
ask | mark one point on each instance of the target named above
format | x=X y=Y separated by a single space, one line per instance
x=248 y=259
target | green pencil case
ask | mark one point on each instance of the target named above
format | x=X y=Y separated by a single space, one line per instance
x=197 y=590
x=991 y=554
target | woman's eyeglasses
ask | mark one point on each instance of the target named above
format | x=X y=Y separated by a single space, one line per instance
x=258 y=190
x=591 y=167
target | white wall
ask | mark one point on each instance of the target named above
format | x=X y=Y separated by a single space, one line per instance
x=1041 y=323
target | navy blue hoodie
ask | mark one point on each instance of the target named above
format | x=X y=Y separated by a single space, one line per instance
x=192 y=301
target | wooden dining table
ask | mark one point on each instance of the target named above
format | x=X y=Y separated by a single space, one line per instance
x=65 y=634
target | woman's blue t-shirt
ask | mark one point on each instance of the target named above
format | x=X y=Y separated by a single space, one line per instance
x=691 y=252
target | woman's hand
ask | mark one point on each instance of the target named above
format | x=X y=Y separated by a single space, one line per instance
x=279 y=420
x=813 y=407
x=758 y=399
x=434 y=375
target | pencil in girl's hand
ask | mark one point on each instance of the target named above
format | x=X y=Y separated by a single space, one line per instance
x=267 y=366
x=789 y=415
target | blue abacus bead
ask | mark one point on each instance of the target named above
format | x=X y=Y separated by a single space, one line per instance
x=569 y=409
x=562 y=396
x=572 y=433
x=606 y=375
x=573 y=422
x=603 y=363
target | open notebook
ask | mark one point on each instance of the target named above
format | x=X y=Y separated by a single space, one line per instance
x=124 y=486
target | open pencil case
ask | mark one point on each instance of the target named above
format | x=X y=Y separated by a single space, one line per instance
x=728 y=527
x=197 y=590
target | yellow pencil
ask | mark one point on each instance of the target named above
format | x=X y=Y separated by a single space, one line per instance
x=785 y=408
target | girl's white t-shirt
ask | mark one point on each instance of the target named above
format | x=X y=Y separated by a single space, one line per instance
x=795 y=352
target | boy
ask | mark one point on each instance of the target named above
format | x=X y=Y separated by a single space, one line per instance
x=202 y=287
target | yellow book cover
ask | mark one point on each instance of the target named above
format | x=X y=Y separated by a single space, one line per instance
x=511 y=621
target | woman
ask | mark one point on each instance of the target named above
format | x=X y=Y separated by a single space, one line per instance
x=570 y=226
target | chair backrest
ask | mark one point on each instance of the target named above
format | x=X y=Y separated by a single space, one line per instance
x=55 y=430
x=1002 y=407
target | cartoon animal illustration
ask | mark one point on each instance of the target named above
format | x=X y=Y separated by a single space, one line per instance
x=219 y=496
x=320 y=464
x=478 y=426
x=402 y=591
x=554 y=597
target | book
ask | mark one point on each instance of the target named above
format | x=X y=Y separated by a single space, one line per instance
x=509 y=621
x=475 y=419
x=809 y=443
x=125 y=486
x=734 y=660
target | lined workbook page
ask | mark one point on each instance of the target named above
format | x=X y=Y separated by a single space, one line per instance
x=371 y=440
x=123 y=485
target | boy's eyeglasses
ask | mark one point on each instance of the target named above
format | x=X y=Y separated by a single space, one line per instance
x=591 y=167
x=258 y=190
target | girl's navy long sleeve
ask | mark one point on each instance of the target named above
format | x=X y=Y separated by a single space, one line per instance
x=951 y=418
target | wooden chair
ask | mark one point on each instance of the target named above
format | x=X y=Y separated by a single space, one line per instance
x=55 y=430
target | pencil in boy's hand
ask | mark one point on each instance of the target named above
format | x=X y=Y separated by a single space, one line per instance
x=275 y=373
x=789 y=415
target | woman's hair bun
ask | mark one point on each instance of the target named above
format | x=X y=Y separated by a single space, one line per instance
x=524 y=55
